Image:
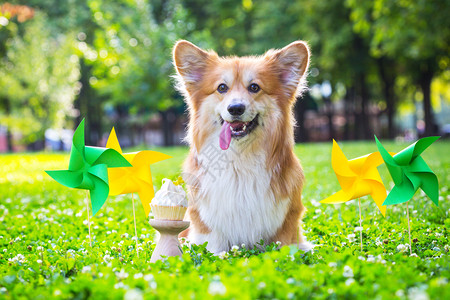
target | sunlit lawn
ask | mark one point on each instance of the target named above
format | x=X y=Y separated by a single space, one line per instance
x=38 y=212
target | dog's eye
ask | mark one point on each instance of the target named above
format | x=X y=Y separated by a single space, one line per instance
x=222 y=88
x=254 y=88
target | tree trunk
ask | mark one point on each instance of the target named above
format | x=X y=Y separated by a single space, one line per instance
x=348 y=110
x=167 y=118
x=366 y=131
x=388 y=81
x=300 y=133
x=9 y=140
x=425 y=85
x=329 y=112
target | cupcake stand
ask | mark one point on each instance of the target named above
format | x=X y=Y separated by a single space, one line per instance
x=168 y=244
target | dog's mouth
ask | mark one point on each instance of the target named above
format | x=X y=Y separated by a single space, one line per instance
x=235 y=129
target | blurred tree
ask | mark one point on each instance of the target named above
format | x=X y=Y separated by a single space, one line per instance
x=417 y=33
x=339 y=55
x=38 y=78
x=133 y=63
x=229 y=23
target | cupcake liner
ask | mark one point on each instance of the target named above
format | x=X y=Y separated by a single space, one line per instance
x=168 y=212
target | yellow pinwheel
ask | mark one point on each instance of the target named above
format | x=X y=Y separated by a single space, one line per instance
x=135 y=179
x=358 y=177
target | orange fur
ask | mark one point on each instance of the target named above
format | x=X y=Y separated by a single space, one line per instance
x=280 y=73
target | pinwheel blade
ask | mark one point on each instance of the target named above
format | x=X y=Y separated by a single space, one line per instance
x=146 y=194
x=379 y=195
x=71 y=179
x=113 y=142
x=400 y=194
x=430 y=186
x=138 y=178
x=99 y=194
x=338 y=197
x=110 y=157
x=410 y=172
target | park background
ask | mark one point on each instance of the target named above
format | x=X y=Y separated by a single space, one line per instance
x=377 y=67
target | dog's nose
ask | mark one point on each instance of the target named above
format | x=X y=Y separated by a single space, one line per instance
x=236 y=109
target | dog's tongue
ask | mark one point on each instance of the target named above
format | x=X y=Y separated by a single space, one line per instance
x=225 y=136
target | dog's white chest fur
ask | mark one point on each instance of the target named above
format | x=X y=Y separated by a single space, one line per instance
x=237 y=203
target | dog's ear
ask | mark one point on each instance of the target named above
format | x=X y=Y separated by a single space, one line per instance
x=292 y=62
x=190 y=61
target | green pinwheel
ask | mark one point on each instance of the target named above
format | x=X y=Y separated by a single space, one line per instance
x=410 y=172
x=88 y=168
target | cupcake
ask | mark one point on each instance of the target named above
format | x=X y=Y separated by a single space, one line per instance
x=170 y=202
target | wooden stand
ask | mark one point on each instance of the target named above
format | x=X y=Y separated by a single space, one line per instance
x=168 y=244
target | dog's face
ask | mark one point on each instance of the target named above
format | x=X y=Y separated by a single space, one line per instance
x=238 y=98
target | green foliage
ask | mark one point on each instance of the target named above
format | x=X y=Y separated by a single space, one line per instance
x=39 y=78
x=132 y=52
x=45 y=253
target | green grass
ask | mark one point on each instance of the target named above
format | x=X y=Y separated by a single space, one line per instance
x=45 y=253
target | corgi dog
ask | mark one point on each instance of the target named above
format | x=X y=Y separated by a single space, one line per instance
x=244 y=181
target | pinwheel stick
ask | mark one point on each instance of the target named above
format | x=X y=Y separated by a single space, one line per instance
x=135 y=230
x=89 y=219
x=409 y=228
x=360 y=223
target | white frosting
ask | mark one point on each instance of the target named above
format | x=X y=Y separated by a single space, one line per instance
x=170 y=195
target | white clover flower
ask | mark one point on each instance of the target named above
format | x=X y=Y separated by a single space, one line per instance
x=149 y=277
x=417 y=294
x=134 y=294
x=261 y=285
x=216 y=288
x=223 y=255
x=235 y=248
x=86 y=269
x=138 y=275
x=278 y=243
x=351 y=237
x=120 y=285
x=122 y=274
x=348 y=272
x=402 y=248
x=242 y=245
x=349 y=281
x=19 y=258
x=107 y=258
x=359 y=228
x=39 y=261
